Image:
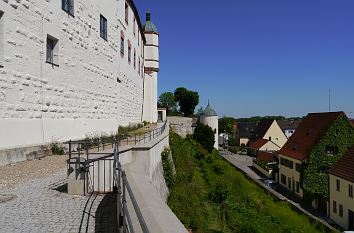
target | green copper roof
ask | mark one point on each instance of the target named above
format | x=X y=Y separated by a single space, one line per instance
x=208 y=111
x=148 y=25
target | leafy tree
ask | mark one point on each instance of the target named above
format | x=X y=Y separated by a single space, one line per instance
x=226 y=125
x=167 y=100
x=204 y=134
x=187 y=100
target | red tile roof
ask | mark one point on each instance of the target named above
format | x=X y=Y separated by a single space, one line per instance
x=352 y=120
x=308 y=133
x=265 y=156
x=259 y=143
x=344 y=168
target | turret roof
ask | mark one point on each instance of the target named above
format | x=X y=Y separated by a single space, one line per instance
x=148 y=25
x=208 y=111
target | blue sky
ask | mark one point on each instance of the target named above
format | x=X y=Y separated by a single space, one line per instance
x=257 y=57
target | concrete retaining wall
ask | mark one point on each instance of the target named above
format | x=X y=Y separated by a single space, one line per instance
x=181 y=125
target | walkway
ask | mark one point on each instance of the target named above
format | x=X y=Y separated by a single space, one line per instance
x=41 y=205
x=244 y=163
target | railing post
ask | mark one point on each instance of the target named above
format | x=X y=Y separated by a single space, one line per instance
x=123 y=203
x=69 y=150
x=135 y=140
x=87 y=150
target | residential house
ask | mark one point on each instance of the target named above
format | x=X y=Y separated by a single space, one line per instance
x=341 y=183
x=243 y=131
x=266 y=163
x=318 y=142
x=267 y=136
x=288 y=126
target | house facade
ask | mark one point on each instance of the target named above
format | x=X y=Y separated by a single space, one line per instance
x=341 y=185
x=69 y=68
x=319 y=141
x=288 y=126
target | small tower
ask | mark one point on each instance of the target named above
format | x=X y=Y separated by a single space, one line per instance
x=151 y=64
x=209 y=117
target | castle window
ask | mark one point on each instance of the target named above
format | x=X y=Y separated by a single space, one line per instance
x=52 y=50
x=139 y=67
x=129 y=52
x=103 y=27
x=334 y=207
x=68 y=6
x=122 y=44
x=134 y=59
x=134 y=26
x=126 y=12
x=1 y=39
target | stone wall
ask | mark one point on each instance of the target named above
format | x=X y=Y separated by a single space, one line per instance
x=90 y=88
x=181 y=125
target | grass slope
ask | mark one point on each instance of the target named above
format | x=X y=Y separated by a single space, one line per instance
x=210 y=195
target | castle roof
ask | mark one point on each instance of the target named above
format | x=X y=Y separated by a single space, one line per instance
x=148 y=25
x=208 y=111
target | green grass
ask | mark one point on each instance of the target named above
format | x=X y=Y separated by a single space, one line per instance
x=210 y=195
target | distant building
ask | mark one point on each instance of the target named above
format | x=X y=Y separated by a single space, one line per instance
x=341 y=185
x=288 y=126
x=267 y=136
x=317 y=141
x=209 y=117
x=244 y=131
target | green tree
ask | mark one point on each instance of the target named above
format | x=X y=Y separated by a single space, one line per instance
x=204 y=134
x=167 y=100
x=226 y=125
x=187 y=100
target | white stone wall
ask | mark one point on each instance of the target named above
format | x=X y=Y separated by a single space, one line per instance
x=212 y=121
x=40 y=102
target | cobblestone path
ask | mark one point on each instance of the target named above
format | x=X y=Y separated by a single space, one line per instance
x=41 y=205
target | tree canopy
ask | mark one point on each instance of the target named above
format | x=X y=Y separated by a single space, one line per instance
x=167 y=100
x=204 y=134
x=187 y=100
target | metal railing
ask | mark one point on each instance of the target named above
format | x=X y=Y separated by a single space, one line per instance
x=92 y=153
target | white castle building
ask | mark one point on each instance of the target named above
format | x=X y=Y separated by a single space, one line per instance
x=209 y=117
x=73 y=67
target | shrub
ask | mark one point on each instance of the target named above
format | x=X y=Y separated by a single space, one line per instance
x=56 y=149
x=204 y=134
x=167 y=168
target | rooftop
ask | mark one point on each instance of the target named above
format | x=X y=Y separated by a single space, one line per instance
x=345 y=166
x=148 y=25
x=308 y=133
x=208 y=111
x=265 y=156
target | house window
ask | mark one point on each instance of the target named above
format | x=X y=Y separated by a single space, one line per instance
x=122 y=43
x=270 y=138
x=68 y=6
x=297 y=187
x=331 y=150
x=291 y=164
x=289 y=182
x=134 y=59
x=52 y=50
x=2 y=39
x=126 y=12
x=340 y=210
x=103 y=27
x=350 y=190
x=334 y=207
x=338 y=185
x=283 y=179
x=298 y=167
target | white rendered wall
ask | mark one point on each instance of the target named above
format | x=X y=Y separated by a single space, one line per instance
x=212 y=121
x=40 y=102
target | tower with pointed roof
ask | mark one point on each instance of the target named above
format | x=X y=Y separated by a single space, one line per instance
x=209 y=117
x=151 y=64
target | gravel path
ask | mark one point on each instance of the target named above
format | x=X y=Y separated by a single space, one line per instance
x=13 y=174
x=41 y=204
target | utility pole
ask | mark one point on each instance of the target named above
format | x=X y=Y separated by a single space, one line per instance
x=329 y=100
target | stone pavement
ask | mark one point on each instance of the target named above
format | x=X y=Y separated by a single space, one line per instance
x=41 y=205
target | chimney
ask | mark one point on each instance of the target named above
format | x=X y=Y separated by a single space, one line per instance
x=148 y=14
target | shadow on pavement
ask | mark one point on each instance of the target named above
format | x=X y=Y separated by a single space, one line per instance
x=106 y=214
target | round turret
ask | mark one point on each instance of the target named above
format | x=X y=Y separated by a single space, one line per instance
x=209 y=117
x=151 y=48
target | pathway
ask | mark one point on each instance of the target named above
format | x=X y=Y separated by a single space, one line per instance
x=41 y=205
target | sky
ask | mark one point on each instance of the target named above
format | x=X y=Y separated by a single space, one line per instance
x=257 y=57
